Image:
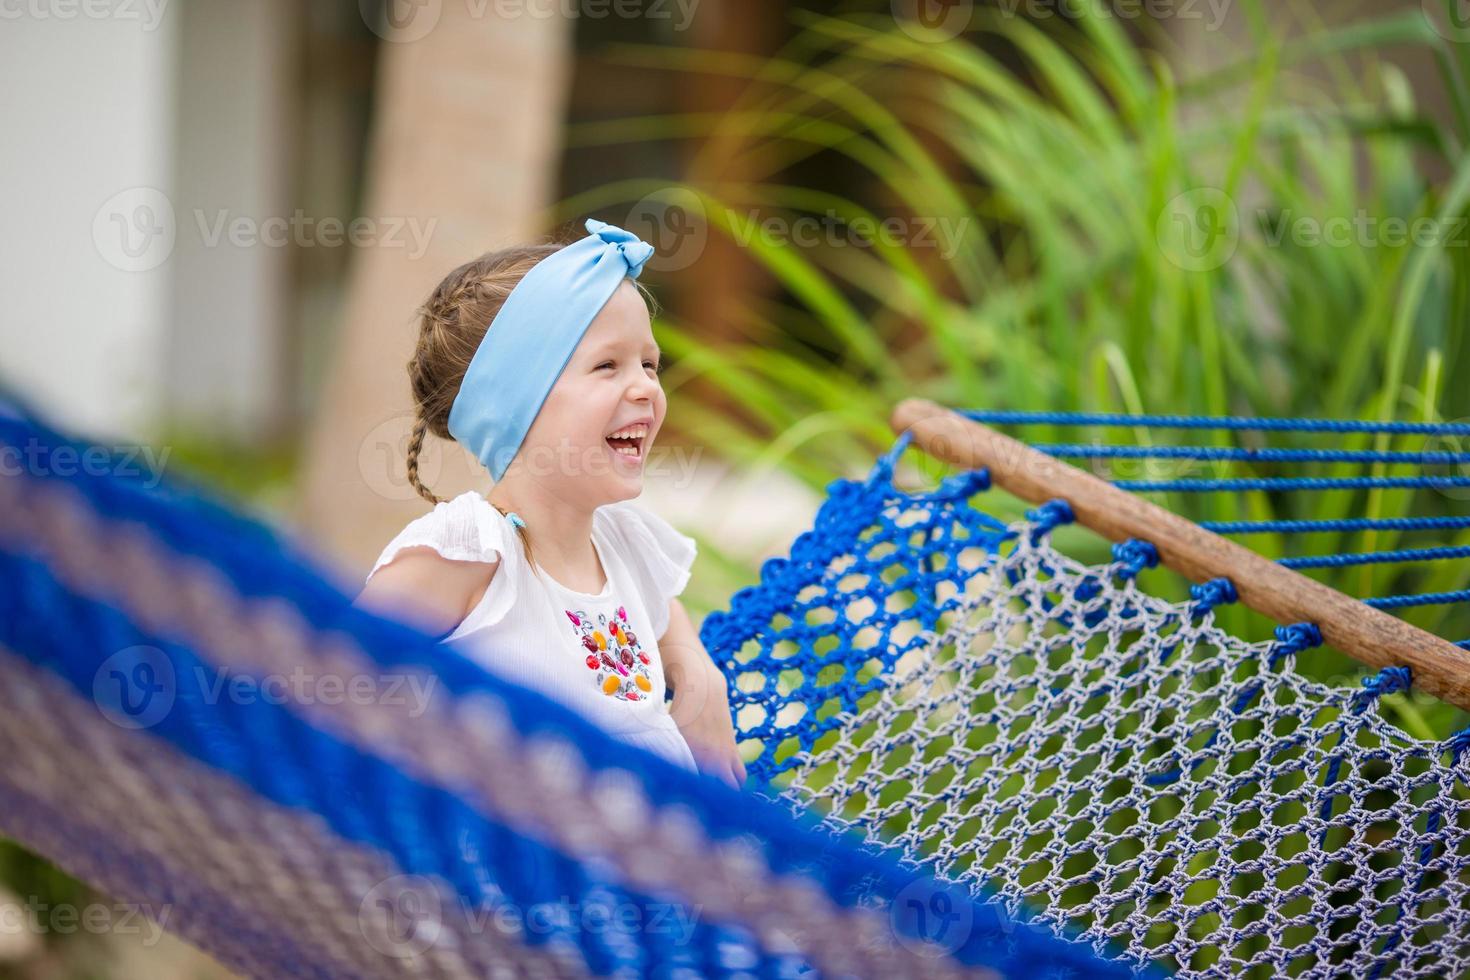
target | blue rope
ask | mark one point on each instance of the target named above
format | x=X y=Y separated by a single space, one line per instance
x=1389 y=680
x=1351 y=524
x=1375 y=557
x=1294 y=639
x=1215 y=592
x=1424 y=599
x=1272 y=484
x=1135 y=555
x=1235 y=423
x=1048 y=517
x=1265 y=455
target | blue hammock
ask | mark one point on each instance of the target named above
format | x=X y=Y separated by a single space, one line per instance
x=194 y=718
x=969 y=753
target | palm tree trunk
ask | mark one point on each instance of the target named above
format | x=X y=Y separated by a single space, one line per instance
x=464 y=150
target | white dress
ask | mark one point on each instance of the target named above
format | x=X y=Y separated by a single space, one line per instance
x=598 y=654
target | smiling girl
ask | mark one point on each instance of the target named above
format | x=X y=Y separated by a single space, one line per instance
x=540 y=360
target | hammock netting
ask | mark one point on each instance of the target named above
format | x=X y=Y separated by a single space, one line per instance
x=971 y=755
x=958 y=690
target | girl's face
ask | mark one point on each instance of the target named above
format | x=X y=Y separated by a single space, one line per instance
x=593 y=434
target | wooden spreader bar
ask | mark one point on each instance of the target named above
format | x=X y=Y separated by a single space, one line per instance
x=1364 y=633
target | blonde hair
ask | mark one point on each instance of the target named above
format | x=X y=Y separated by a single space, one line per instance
x=452 y=323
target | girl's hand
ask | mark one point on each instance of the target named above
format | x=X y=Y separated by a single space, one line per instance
x=701 y=709
x=701 y=705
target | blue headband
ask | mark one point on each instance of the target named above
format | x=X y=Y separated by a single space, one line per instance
x=531 y=339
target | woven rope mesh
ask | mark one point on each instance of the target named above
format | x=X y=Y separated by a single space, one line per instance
x=965 y=693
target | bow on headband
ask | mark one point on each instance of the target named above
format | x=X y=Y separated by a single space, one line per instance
x=635 y=250
x=529 y=342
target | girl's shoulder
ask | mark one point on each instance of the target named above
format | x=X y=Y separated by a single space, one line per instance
x=658 y=555
x=465 y=528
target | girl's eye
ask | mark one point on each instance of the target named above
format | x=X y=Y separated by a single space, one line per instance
x=605 y=364
x=658 y=368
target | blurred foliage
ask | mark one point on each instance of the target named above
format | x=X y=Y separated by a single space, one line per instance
x=1121 y=250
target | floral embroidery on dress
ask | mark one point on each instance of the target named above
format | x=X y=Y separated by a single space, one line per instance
x=613 y=654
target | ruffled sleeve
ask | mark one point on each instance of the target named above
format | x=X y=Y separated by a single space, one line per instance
x=466 y=528
x=658 y=555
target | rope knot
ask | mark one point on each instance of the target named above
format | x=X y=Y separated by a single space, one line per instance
x=1389 y=680
x=1294 y=639
x=1048 y=517
x=1459 y=742
x=1134 y=555
x=1215 y=592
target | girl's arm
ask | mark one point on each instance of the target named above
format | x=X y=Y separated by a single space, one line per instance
x=427 y=590
x=701 y=705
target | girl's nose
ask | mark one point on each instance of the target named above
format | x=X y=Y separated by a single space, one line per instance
x=643 y=389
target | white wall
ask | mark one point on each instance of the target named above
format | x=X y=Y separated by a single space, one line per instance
x=86 y=129
x=227 y=372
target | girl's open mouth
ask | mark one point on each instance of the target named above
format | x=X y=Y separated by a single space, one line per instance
x=628 y=441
